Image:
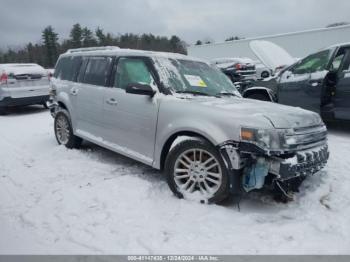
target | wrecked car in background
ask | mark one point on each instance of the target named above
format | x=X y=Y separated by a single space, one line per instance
x=185 y=117
x=240 y=70
x=319 y=82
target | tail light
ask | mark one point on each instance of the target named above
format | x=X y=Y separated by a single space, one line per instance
x=3 y=78
x=238 y=66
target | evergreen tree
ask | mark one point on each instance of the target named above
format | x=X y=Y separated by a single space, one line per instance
x=88 y=38
x=198 y=42
x=50 y=39
x=76 y=36
x=101 y=37
x=46 y=53
x=177 y=45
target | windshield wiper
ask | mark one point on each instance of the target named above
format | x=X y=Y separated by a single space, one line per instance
x=225 y=94
x=199 y=93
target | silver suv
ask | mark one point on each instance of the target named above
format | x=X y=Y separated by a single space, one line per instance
x=183 y=116
x=23 y=84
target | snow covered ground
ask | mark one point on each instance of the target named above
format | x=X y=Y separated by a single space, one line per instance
x=93 y=201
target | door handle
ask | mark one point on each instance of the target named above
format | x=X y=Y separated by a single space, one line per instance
x=74 y=91
x=111 y=101
x=314 y=83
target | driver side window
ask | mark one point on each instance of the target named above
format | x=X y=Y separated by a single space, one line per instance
x=313 y=63
x=132 y=70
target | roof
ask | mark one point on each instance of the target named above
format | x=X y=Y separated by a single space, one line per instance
x=274 y=35
x=114 y=50
x=339 y=44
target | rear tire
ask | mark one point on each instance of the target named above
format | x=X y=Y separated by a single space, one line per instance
x=259 y=96
x=64 y=131
x=190 y=177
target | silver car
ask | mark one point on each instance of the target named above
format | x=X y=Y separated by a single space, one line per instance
x=23 y=84
x=183 y=116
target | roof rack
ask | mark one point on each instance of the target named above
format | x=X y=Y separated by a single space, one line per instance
x=88 y=49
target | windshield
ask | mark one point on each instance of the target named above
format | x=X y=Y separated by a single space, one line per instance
x=188 y=76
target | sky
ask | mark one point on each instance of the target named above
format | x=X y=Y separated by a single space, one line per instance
x=22 y=21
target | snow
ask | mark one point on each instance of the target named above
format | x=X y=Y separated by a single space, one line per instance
x=93 y=201
x=17 y=69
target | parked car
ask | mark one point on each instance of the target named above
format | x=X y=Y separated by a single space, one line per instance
x=262 y=71
x=185 y=117
x=22 y=84
x=320 y=82
x=241 y=71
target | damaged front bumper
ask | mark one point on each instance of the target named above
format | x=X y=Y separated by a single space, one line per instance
x=303 y=163
x=254 y=165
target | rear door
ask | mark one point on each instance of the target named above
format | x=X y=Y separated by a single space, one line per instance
x=65 y=79
x=27 y=80
x=89 y=96
x=301 y=85
x=342 y=92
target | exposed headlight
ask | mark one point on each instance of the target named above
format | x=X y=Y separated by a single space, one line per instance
x=270 y=139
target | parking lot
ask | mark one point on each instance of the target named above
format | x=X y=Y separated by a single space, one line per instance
x=93 y=201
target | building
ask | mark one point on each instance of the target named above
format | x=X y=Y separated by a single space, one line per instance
x=298 y=44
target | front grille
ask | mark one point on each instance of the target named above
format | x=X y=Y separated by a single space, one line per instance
x=307 y=137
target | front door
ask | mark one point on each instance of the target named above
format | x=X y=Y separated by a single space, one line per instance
x=342 y=92
x=301 y=85
x=130 y=120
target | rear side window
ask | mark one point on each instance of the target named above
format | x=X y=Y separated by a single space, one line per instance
x=97 y=71
x=68 y=68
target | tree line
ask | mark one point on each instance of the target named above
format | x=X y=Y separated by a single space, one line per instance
x=47 y=52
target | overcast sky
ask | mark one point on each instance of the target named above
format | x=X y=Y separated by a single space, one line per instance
x=22 y=21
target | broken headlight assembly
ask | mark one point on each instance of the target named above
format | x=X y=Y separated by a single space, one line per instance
x=267 y=139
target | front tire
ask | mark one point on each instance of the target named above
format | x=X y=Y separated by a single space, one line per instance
x=64 y=131
x=195 y=170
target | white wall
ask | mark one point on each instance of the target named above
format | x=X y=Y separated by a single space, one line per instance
x=298 y=44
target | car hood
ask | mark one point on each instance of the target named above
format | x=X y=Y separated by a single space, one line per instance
x=279 y=116
x=272 y=55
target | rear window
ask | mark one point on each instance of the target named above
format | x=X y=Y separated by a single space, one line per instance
x=67 y=68
x=97 y=71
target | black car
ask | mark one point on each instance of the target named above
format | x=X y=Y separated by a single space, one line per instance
x=320 y=82
x=241 y=71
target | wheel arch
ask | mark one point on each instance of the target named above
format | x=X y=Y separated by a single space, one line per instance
x=168 y=143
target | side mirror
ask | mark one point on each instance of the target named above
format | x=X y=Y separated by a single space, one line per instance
x=140 y=89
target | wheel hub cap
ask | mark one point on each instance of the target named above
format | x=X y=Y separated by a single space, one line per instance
x=197 y=170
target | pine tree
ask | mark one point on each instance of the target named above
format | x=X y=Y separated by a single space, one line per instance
x=50 y=39
x=76 y=36
x=101 y=37
x=88 y=38
x=177 y=45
